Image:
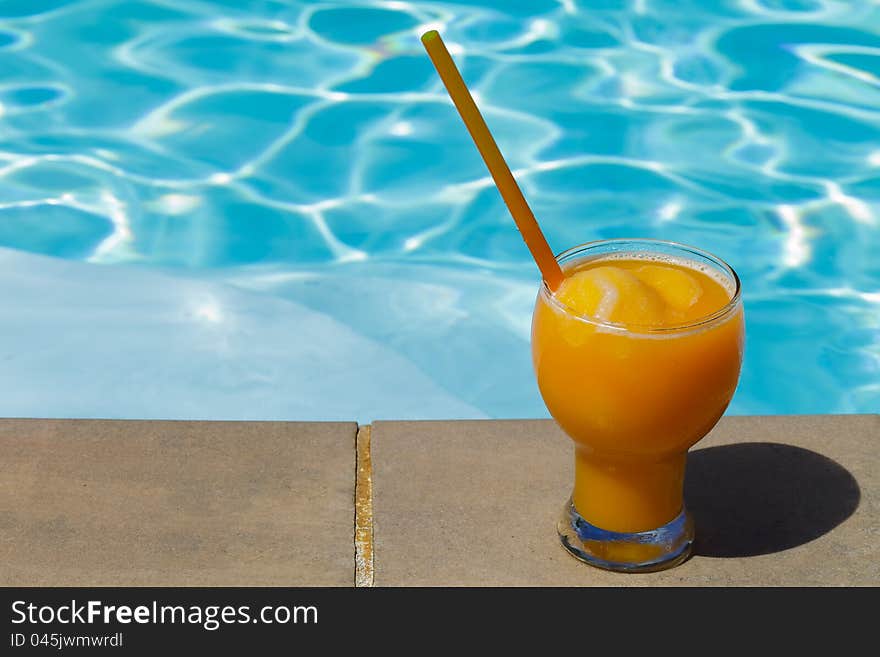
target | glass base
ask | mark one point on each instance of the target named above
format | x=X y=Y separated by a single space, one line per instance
x=637 y=552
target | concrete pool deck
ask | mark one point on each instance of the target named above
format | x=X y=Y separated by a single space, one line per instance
x=154 y=503
x=778 y=501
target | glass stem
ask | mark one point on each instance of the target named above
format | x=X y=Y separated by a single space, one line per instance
x=628 y=494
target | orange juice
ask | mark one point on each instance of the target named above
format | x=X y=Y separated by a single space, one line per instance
x=637 y=355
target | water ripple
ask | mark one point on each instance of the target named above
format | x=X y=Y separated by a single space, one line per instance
x=306 y=150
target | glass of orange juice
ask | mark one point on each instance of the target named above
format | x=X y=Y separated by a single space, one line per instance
x=637 y=355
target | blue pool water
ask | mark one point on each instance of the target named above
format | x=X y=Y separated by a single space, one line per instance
x=270 y=210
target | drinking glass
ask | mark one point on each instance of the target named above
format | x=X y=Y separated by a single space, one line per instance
x=634 y=399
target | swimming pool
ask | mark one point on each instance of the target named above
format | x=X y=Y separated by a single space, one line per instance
x=270 y=210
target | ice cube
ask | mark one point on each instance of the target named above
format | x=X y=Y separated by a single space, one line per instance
x=612 y=294
x=679 y=289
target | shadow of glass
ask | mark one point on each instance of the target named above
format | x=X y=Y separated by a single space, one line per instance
x=757 y=498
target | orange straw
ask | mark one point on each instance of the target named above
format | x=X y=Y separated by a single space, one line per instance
x=504 y=180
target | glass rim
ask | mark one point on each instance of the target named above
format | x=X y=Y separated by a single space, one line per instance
x=700 y=322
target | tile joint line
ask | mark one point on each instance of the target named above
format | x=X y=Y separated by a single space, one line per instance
x=363 y=520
